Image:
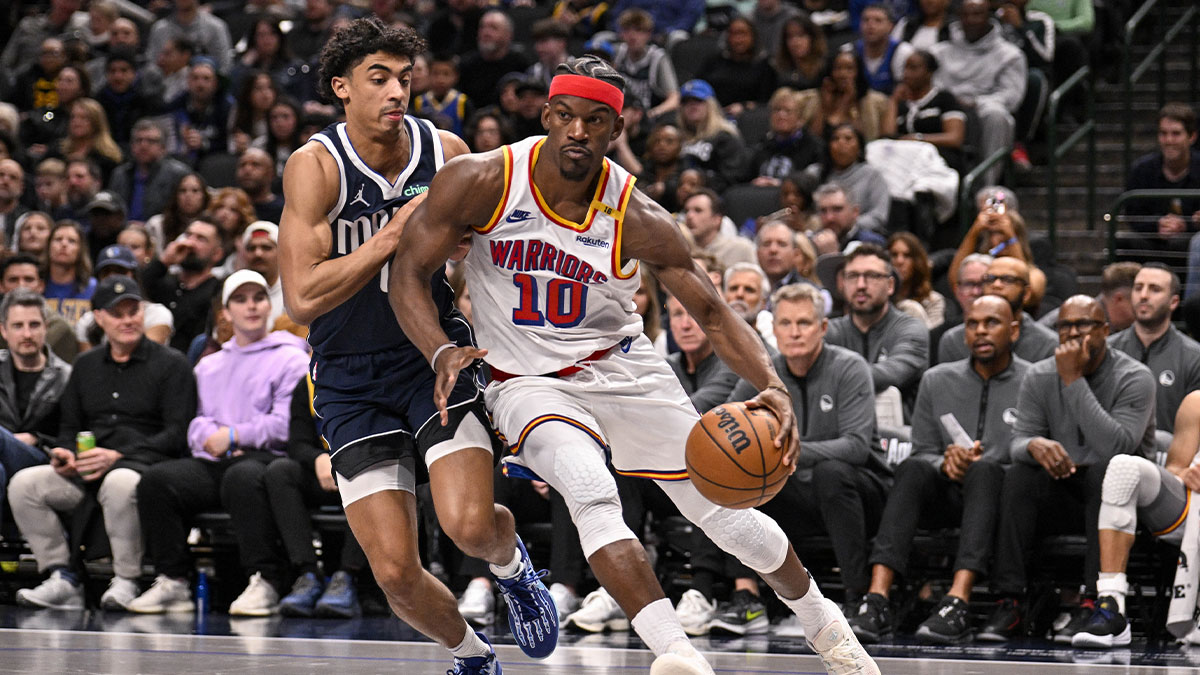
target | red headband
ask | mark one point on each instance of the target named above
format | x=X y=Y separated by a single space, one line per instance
x=589 y=88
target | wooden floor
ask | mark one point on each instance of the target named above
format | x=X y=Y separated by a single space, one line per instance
x=48 y=642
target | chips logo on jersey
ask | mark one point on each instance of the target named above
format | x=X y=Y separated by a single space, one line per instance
x=534 y=255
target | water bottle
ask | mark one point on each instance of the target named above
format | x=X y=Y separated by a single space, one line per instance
x=202 y=593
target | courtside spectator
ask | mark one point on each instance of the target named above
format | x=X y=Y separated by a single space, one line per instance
x=703 y=213
x=68 y=264
x=711 y=143
x=146 y=182
x=1009 y=279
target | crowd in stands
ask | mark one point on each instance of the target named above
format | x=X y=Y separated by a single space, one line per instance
x=811 y=152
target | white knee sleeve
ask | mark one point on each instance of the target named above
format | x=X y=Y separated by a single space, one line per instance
x=748 y=535
x=1129 y=482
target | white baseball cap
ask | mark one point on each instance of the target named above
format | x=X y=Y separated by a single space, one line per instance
x=241 y=278
x=261 y=228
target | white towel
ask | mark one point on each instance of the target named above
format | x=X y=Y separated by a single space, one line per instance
x=1183 y=613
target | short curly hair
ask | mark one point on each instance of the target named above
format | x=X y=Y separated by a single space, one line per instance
x=362 y=37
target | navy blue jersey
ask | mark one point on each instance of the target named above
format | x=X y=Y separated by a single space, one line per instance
x=365 y=323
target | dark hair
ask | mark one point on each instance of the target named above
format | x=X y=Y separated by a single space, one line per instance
x=887 y=10
x=83 y=261
x=272 y=143
x=1180 y=112
x=754 y=41
x=805 y=183
x=183 y=44
x=362 y=37
x=861 y=86
x=92 y=167
x=827 y=164
x=594 y=67
x=123 y=54
x=243 y=119
x=507 y=135
x=783 y=58
x=931 y=62
x=22 y=297
x=22 y=259
x=85 y=80
x=864 y=250
x=1156 y=265
x=283 y=55
x=718 y=204
x=919 y=285
x=174 y=222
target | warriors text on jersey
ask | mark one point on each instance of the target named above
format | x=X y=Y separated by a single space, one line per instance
x=366 y=201
x=549 y=292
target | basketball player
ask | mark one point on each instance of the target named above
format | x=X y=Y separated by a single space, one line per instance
x=349 y=190
x=558 y=232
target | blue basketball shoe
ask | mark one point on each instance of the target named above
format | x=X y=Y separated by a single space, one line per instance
x=532 y=616
x=477 y=665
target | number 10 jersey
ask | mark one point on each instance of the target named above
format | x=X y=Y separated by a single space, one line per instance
x=547 y=292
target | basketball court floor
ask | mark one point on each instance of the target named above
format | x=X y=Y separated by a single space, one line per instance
x=47 y=642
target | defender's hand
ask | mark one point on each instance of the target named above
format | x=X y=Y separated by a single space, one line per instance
x=449 y=362
x=779 y=402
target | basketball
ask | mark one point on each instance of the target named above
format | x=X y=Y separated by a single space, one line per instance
x=732 y=459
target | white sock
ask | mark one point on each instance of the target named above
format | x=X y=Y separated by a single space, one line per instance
x=658 y=626
x=470 y=646
x=509 y=570
x=1115 y=585
x=811 y=609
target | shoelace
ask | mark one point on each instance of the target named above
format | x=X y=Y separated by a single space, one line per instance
x=462 y=668
x=522 y=595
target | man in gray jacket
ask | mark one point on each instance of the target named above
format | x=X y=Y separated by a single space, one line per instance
x=1173 y=357
x=1074 y=413
x=147 y=181
x=705 y=378
x=841 y=481
x=1009 y=279
x=894 y=343
x=962 y=430
x=32 y=379
x=986 y=73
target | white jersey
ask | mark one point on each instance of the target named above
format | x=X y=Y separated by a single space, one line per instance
x=547 y=292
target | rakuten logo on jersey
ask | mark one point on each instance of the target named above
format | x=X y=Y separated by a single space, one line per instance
x=591 y=241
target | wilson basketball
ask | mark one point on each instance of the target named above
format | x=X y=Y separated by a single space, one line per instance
x=731 y=456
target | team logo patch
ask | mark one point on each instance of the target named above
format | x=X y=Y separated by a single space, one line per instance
x=1009 y=416
x=358 y=199
x=518 y=215
x=826 y=403
x=1166 y=378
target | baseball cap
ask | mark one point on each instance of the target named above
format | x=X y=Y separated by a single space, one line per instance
x=599 y=47
x=532 y=83
x=261 y=228
x=113 y=290
x=106 y=201
x=241 y=278
x=116 y=255
x=697 y=89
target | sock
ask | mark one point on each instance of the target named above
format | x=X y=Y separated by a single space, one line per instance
x=658 y=626
x=471 y=645
x=509 y=570
x=67 y=575
x=1115 y=585
x=811 y=609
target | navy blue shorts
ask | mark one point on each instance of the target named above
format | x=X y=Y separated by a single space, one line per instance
x=379 y=406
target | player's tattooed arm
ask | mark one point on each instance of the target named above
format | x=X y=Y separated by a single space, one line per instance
x=312 y=283
x=651 y=236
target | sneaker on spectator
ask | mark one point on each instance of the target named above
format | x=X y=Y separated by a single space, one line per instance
x=477 y=665
x=1081 y=616
x=120 y=593
x=1106 y=628
x=56 y=592
x=873 y=619
x=744 y=614
x=1020 y=159
x=259 y=599
x=790 y=626
x=565 y=600
x=598 y=613
x=302 y=600
x=340 y=599
x=695 y=612
x=164 y=595
x=948 y=625
x=839 y=649
x=1004 y=622
x=477 y=604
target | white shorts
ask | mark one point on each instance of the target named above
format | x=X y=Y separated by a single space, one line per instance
x=630 y=403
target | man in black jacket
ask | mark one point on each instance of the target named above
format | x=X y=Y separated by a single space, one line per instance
x=32 y=379
x=136 y=397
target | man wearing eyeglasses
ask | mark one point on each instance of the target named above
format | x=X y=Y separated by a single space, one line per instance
x=895 y=344
x=1173 y=357
x=1075 y=412
x=1009 y=279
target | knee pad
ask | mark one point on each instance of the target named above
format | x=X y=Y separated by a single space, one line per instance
x=590 y=493
x=1118 y=510
x=752 y=537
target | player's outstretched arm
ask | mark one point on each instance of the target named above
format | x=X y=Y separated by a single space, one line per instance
x=462 y=194
x=651 y=236
x=312 y=283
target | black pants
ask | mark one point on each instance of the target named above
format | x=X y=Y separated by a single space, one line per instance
x=841 y=500
x=292 y=491
x=170 y=493
x=922 y=496
x=566 y=555
x=1034 y=504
